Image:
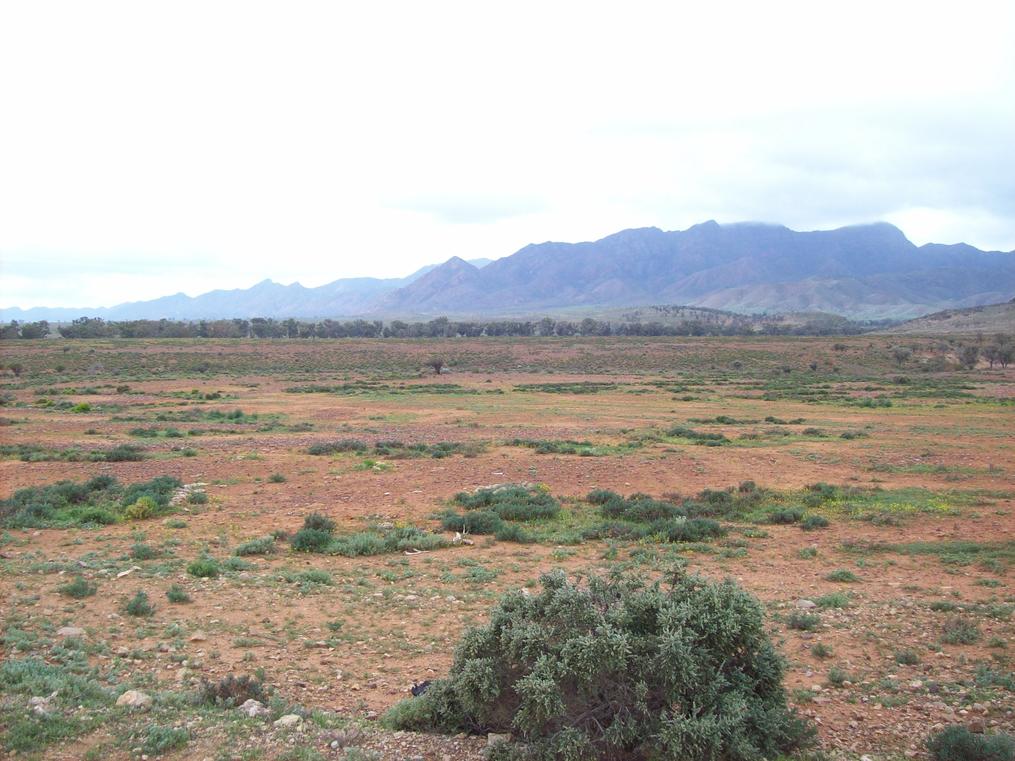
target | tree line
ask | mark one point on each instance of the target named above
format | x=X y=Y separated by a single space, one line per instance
x=441 y=327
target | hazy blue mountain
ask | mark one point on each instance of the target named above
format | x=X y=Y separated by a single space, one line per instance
x=347 y=297
x=862 y=271
x=865 y=271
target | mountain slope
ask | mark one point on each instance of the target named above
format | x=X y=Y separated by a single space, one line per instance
x=866 y=271
x=869 y=271
x=993 y=318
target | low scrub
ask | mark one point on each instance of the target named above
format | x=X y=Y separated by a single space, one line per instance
x=957 y=743
x=512 y=502
x=337 y=447
x=263 y=546
x=233 y=691
x=99 y=501
x=697 y=437
x=318 y=535
x=614 y=668
x=36 y=453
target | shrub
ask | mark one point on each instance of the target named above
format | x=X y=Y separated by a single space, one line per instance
x=472 y=522
x=318 y=522
x=145 y=507
x=177 y=594
x=512 y=532
x=276 y=478
x=639 y=508
x=812 y=522
x=617 y=669
x=335 y=447
x=197 y=497
x=315 y=535
x=906 y=657
x=601 y=496
x=960 y=631
x=377 y=542
x=310 y=540
x=957 y=743
x=141 y=551
x=821 y=650
x=78 y=588
x=843 y=575
x=138 y=605
x=806 y=622
x=159 y=739
x=512 y=502
x=698 y=437
x=263 y=546
x=232 y=691
x=692 y=530
x=204 y=568
x=786 y=516
x=837 y=677
x=833 y=600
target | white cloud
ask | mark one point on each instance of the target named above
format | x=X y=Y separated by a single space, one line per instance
x=196 y=145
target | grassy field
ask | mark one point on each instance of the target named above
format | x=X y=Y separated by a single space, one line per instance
x=179 y=512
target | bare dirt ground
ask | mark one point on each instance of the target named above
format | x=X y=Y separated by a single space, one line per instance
x=350 y=646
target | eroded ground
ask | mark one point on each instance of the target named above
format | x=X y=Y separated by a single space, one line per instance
x=919 y=466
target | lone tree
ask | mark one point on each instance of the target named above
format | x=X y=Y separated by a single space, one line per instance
x=969 y=355
x=617 y=669
x=437 y=364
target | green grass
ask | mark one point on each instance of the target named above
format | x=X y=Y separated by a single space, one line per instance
x=994 y=556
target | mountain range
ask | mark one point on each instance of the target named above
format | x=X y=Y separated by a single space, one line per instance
x=863 y=272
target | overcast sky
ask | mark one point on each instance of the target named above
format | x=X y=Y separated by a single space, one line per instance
x=154 y=147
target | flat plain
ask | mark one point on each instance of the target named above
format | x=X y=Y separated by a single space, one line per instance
x=863 y=494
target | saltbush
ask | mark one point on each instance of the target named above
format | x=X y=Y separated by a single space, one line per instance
x=957 y=743
x=614 y=668
x=512 y=502
x=263 y=546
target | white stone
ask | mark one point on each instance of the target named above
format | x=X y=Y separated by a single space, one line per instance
x=70 y=631
x=289 y=720
x=254 y=708
x=134 y=699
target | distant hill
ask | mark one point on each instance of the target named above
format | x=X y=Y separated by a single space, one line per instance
x=862 y=272
x=348 y=297
x=993 y=318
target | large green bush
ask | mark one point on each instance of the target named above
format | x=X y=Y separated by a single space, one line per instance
x=957 y=743
x=616 y=669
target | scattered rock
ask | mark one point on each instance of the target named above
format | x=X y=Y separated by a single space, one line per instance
x=70 y=631
x=134 y=699
x=42 y=706
x=806 y=604
x=198 y=636
x=495 y=738
x=289 y=721
x=254 y=708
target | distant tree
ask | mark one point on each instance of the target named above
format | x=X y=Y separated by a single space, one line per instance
x=13 y=330
x=969 y=355
x=990 y=353
x=547 y=326
x=38 y=329
x=901 y=355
